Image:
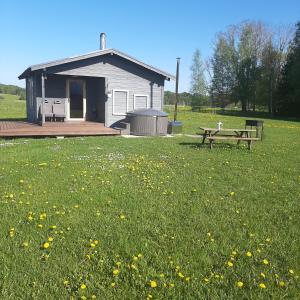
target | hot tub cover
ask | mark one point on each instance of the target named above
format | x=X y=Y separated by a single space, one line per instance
x=149 y=112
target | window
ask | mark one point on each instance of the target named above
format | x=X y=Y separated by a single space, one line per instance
x=120 y=102
x=140 y=101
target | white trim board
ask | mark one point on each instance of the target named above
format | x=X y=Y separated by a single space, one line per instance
x=113 y=102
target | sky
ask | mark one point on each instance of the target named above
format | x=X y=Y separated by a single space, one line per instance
x=155 y=32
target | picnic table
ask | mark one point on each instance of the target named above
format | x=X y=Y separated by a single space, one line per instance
x=213 y=134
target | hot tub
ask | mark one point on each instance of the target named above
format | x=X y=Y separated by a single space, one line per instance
x=148 y=122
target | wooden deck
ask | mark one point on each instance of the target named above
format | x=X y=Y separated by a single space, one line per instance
x=54 y=129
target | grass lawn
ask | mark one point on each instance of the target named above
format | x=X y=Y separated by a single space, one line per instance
x=12 y=107
x=151 y=218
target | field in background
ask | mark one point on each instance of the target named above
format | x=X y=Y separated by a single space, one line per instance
x=151 y=218
x=12 y=107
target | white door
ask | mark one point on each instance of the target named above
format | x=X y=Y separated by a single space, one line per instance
x=76 y=94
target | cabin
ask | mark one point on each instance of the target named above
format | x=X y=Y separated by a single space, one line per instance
x=100 y=86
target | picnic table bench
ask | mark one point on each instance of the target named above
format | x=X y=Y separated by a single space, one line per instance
x=213 y=134
x=249 y=140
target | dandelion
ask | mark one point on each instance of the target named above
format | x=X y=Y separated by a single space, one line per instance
x=46 y=245
x=153 y=284
x=262 y=286
x=83 y=286
x=53 y=227
x=50 y=239
x=231 y=194
x=66 y=282
x=94 y=297
x=40 y=226
x=187 y=278
x=239 y=284
x=230 y=264
x=25 y=244
x=265 y=262
x=161 y=275
x=249 y=254
x=118 y=263
x=116 y=272
x=135 y=258
x=262 y=275
x=180 y=275
x=281 y=283
x=113 y=284
x=21 y=181
x=93 y=245
x=122 y=217
x=291 y=271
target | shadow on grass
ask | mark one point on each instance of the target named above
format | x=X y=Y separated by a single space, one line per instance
x=251 y=114
x=199 y=145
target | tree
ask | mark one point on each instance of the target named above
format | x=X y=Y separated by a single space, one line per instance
x=198 y=83
x=288 y=94
x=224 y=65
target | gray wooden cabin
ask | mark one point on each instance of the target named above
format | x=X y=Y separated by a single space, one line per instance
x=101 y=86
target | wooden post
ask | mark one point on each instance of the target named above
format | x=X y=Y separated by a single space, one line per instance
x=176 y=91
x=43 y=98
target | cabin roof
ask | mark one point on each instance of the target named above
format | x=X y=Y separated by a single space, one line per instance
x=90 y=55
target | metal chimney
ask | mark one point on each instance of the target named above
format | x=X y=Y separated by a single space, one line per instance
x=102 y=41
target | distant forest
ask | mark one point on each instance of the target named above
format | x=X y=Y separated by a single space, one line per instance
x=13 y=90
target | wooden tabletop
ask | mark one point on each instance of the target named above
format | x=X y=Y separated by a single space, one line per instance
x=227 y=129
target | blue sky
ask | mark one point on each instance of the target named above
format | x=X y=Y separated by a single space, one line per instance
x=153 y=31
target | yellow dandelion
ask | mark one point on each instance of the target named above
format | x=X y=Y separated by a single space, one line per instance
x=187 y=278
x=229 y=264
x=291 y=271
x=113 y=284
x=140 y=255
x=40 y=226
x=66 y=282
x=116 y=272
x=281 y=283
x=180 y=275
x=239 y=284
x=93 y=245
x=122 y=217
x=118 y=263
x=262 y=275
x=206 y=279
x=25 y=244
x=265 y=262
x=94 y=297
x=46 y=245
x=153 y=284
x=135 y=258
x=161 y=275
x=50 y=239
x=83 y=286
x=231 y=194
x=262 y=286
x=172 y=285
x=249 y=254
x=21 y=181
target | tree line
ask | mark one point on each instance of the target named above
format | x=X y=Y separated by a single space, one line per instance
x=253 y=66
x=13 y=90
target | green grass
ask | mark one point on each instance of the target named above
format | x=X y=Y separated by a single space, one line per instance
x=168 y=199
x=12 y=107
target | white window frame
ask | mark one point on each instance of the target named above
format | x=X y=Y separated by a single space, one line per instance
x=140 y=95
x=113 y=102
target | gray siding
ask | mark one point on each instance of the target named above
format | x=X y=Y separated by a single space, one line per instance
x=119 y=74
